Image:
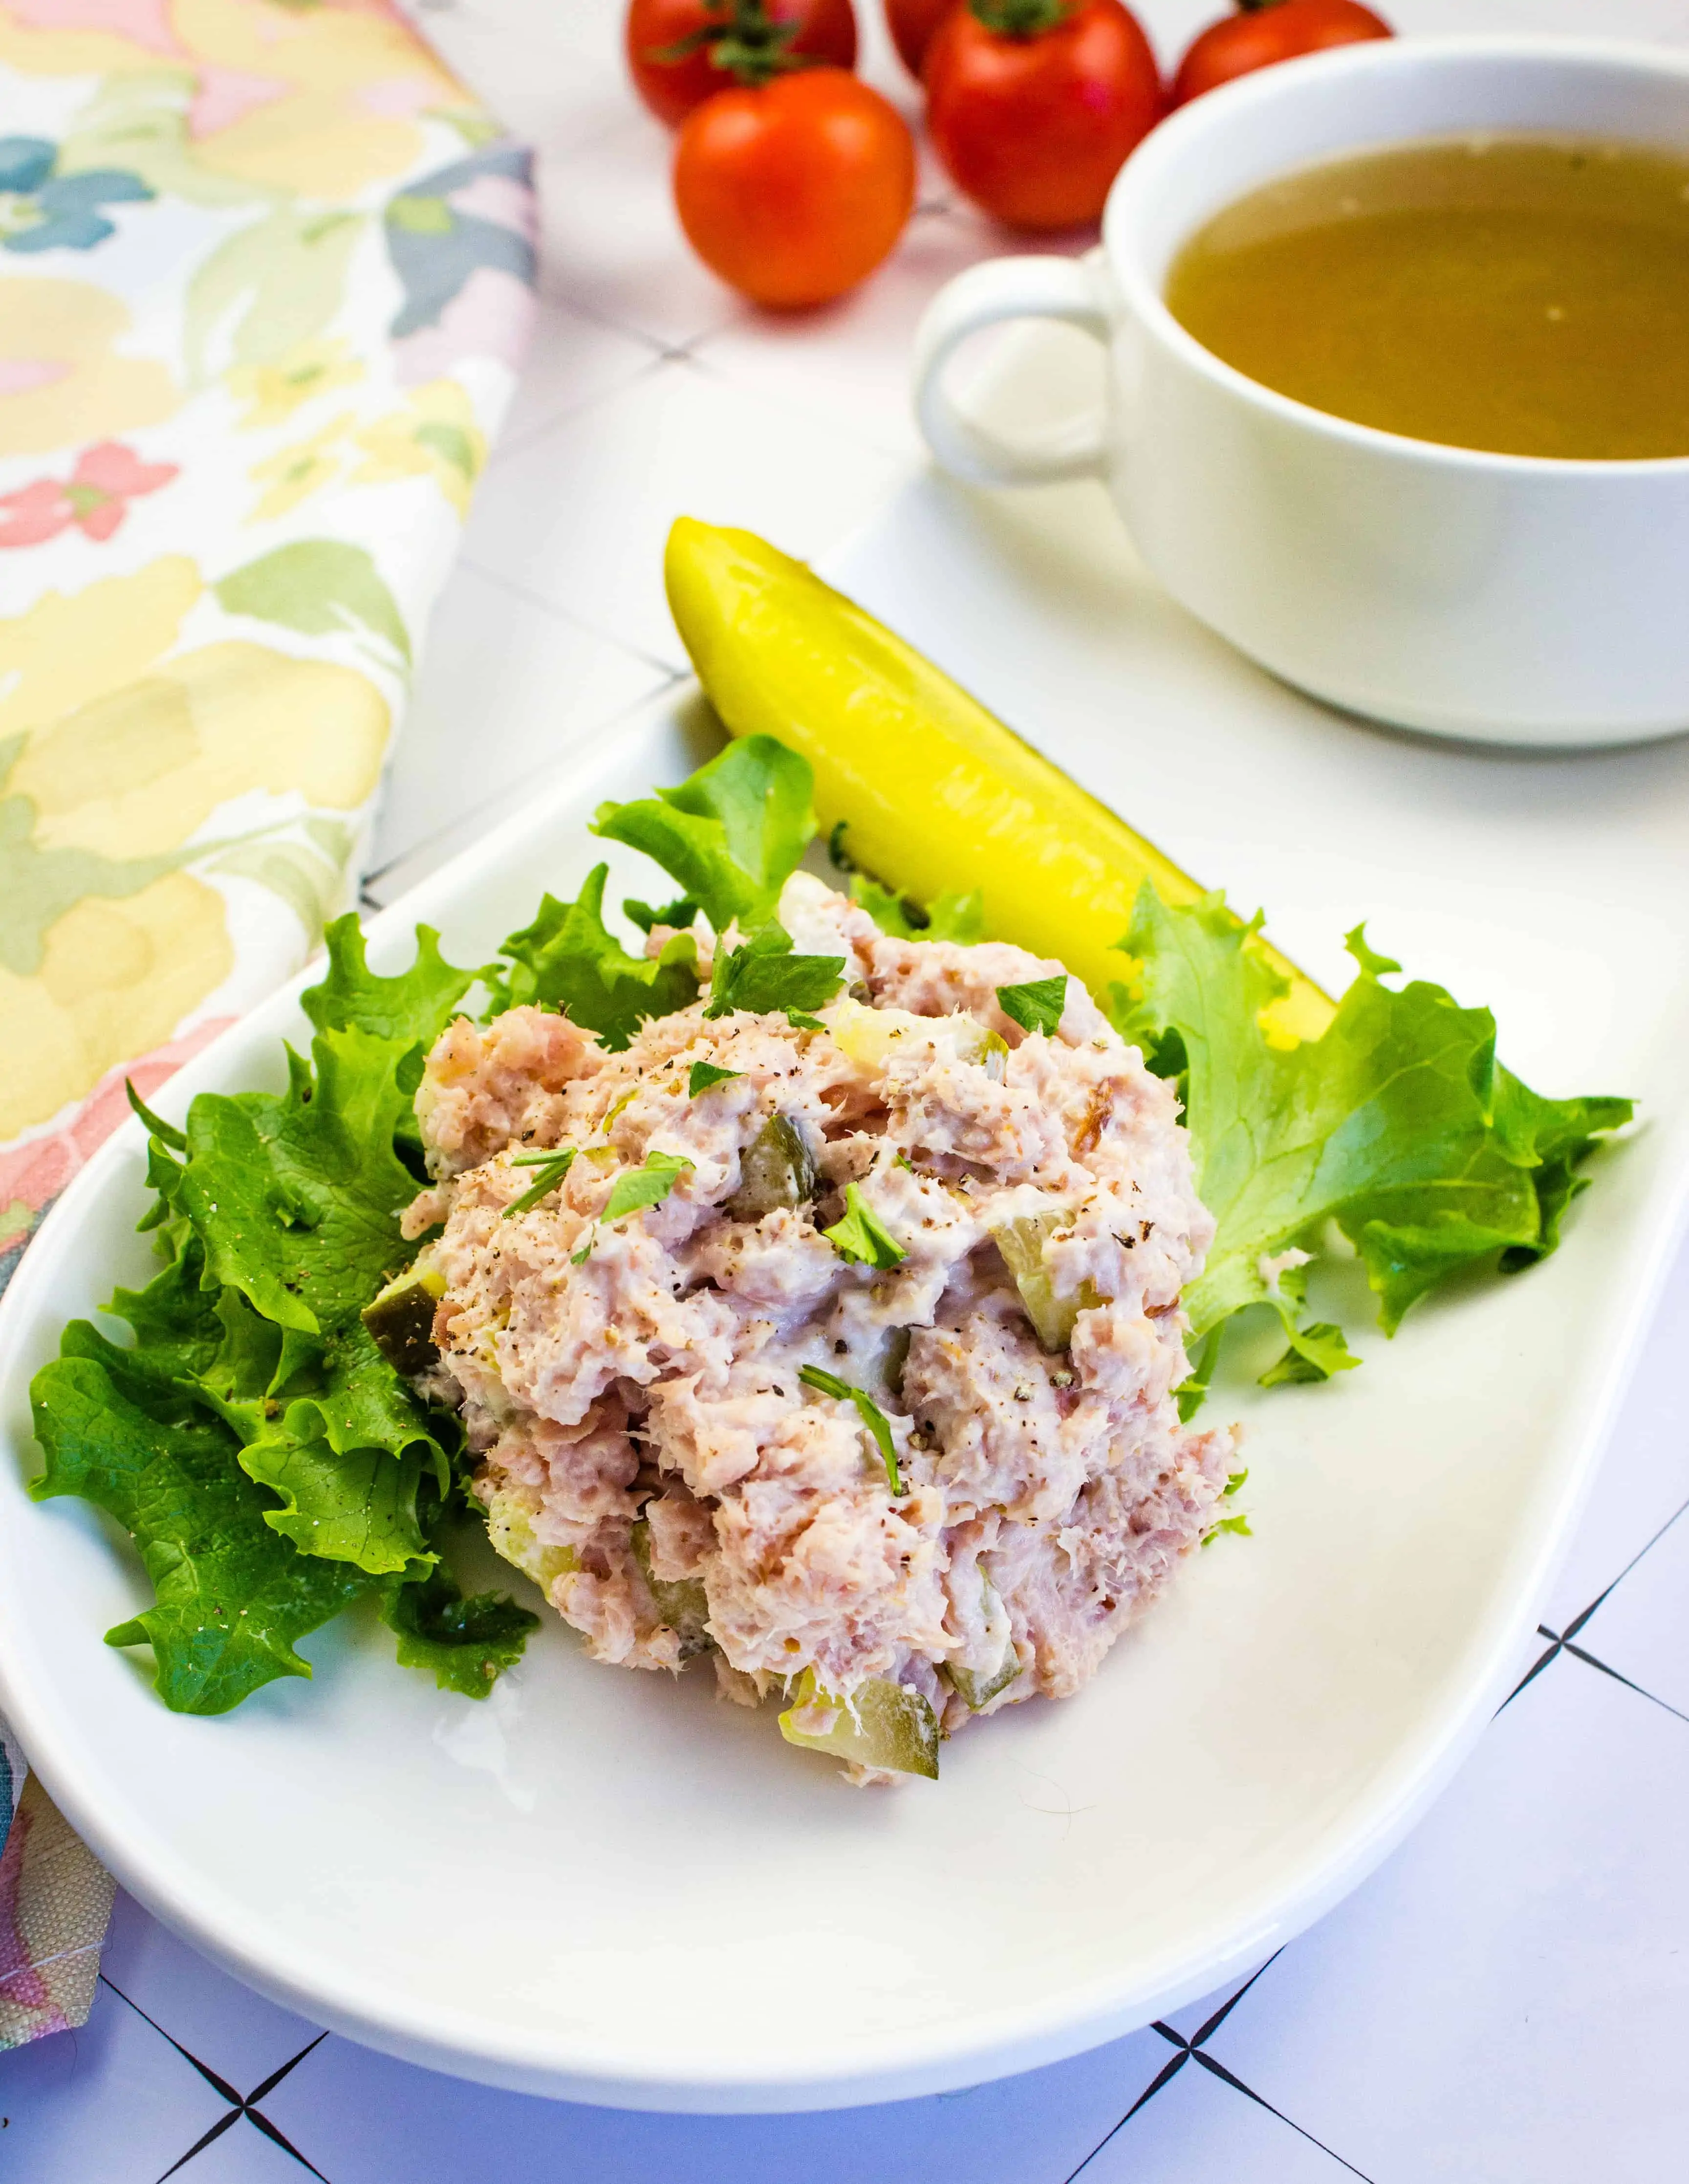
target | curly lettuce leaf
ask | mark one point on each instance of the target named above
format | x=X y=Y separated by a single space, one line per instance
x=1315 y=1350
x=569 y=959
x=173 y=1318
x=731 y=834
x=407 y=1010
x=680 y=913
x=346 y=1474
x=288 y=1205
x=320 y=1416
x=294 y=1199
x=295 y=1196
x=231 y=1596
x=1398 y=1124
x=271 y=1462
x=463 y=1643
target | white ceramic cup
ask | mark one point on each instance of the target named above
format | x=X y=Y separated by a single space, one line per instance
x=1512 y=599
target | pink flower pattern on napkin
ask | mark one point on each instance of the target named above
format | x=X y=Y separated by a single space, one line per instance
x=95 y=497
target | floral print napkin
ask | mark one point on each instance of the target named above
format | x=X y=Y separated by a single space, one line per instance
x=265 y=275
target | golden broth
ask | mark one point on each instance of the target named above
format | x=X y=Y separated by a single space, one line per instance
x=1527 y=295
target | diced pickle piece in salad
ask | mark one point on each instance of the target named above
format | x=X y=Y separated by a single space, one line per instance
x=883 y=1726
x=996 y=1663
x=775 y=1169
x=683 y=1602
x=401 y=1319
x=1021 y=1241
x=510 y=1531
x=873 y=1038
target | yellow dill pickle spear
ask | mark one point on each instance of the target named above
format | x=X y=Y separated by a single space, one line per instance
x=937 y=794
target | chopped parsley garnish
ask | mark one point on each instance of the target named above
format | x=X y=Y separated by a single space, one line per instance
x=829 y=1384
x=1237 y=1521
x=799 y=1021
x=703 y=1074
x=1037 y=1006
x=862 y=1235
x=648 y=1185
x=552 y=1167
x=764 y=976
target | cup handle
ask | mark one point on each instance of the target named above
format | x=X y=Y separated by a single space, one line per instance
x=1065 y=288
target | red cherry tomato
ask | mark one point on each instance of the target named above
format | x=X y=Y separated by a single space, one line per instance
x=794 y=190
x=826 y=32
x=1034 y=123
x=912 y=24
x=1269 y=30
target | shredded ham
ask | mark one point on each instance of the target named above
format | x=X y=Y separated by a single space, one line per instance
x=633 y=1391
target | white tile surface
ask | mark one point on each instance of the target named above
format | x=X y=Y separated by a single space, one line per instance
x=233 y=2031
x=610 y=241
x=851 y=359
x=1199 y=2125
x=581 y=519
x=413 y=2125
x=1507 y=2002
x=506 y=687
x=1641 y=1630
x=529 y=70
x=574 y=359
x=1644 y=1478
x=111 y=2103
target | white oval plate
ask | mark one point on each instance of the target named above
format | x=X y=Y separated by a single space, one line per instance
x=613 y=1887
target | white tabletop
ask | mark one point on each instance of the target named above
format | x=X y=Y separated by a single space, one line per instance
x=1507 y=2002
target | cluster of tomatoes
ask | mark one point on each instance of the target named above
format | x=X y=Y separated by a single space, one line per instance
x=793 y=179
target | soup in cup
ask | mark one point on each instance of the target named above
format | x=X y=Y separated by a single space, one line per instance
x=1398 y=391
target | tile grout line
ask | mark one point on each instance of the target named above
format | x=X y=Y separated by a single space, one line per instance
x=570 y=619
x=804 y=415
x=673 y=677
x=541 y=428
x=1192 y=2050
x=239 y=2105
x=1560 y=1640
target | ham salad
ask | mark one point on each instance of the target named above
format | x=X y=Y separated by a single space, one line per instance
x=840 y=1351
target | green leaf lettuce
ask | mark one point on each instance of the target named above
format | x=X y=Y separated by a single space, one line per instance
x=569 y=959
x=1398 y=1124
x=267 y=1460
x=731 y=834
